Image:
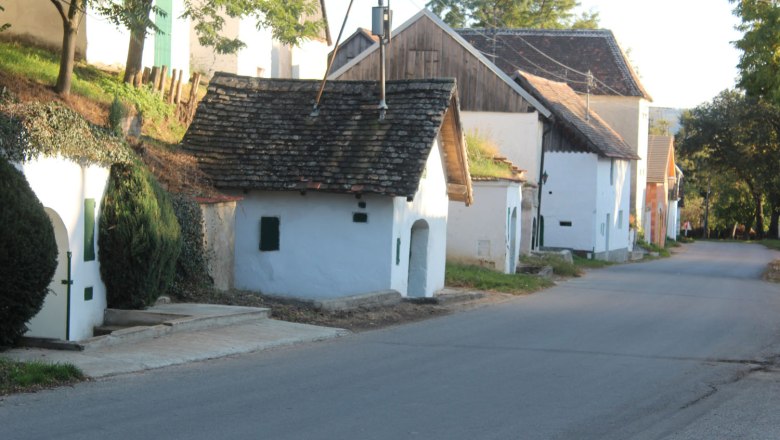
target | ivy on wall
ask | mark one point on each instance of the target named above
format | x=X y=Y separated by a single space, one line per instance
x=28 y=131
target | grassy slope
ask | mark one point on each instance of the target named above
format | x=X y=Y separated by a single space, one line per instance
x=32 y=376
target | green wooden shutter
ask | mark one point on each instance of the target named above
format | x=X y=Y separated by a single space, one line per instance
x=162 y=41
x=89 y=229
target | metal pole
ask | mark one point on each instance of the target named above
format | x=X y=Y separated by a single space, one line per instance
x=382 y=67
x=69 y=283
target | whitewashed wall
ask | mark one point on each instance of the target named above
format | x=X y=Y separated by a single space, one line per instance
x=62 y=186
x=613 y=198
x=517 y=135
x=323 y=253
x=430 y=204
x=673 y=220
x=39 y=22
x=570 y=196
x=480 y=234
x=630 y=117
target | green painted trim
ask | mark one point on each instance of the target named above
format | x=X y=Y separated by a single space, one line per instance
x=89 y=229
x=88 y=293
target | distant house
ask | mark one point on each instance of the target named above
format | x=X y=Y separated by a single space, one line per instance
x=662 y=188
x=336 y=203
x=616 y=94
x=102 y=43
x=587 y=175
x=675 y=203
x=487 y=233
x=353 y=46
x=491 y=102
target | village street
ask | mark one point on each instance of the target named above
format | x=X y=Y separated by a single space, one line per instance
x=677 y=348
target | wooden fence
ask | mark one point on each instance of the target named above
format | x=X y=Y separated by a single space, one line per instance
x=156 y=78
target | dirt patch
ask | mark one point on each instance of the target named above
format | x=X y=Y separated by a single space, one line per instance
x=354 y=320
x=26 y=90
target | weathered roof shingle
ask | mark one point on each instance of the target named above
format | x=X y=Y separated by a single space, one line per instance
x=254 y=133
x=545 y=52
x=659 y=149
x=571 y=111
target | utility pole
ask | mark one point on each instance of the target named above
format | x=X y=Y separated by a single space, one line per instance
x=380 y=26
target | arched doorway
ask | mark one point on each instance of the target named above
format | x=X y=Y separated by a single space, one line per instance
x=418 y=260
x=512 y=257
x=52 y=320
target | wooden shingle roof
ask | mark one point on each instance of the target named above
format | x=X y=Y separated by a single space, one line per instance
x=548 y=53
x=570 y=111
x=660 y=150
x=255 y=133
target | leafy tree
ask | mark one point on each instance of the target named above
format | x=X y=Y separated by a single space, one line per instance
x=736 y=135
x=759 y=64
x=541 y=14
x=660 y=127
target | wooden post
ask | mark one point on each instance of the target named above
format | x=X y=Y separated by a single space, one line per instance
x=163 y=77
x=172 y=90
x=147 y=74
x=192 y=105
x=177 y=98
x=138 y=80
x=154 y=78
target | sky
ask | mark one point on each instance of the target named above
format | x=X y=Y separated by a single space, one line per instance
x=681 y=48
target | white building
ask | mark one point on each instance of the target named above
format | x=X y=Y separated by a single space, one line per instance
x=586 y=177
x=492 y=103
x=339 y=203
x=72 y=202
x=614 y=90
x=487 y=233
x=102 y=43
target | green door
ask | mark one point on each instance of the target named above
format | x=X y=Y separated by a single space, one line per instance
x=162 y=41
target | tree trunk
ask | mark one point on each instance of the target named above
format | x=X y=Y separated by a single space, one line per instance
x=67 y=57
x=135 y=55
x=774 y=227
x=759 y=220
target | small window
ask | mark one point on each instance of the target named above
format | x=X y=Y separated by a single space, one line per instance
x=269 y=233
x=565 y=224
x=612 y=171
x=88 y=294
x=89 y=229
x=360 y=217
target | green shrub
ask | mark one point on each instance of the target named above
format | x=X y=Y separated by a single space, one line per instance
x=558 y=264
x=139 y=239
x=28 y=254
x=116 y=116
x=191 y=267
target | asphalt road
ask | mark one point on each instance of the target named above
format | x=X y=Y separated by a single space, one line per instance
x=679 y=348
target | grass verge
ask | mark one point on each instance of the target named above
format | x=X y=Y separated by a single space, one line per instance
x=479 y=278
x=585 y=263
x=16 y=377
x=559 y=265
x=771 y=243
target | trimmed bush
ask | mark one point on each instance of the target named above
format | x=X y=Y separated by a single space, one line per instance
x=139 y=238
x=28 y=254
x=191 y=268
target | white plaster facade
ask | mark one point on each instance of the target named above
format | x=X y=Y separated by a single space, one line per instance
x=323 y=253
x=487 y=233
x=63 y=186
x=262 y=57
x=673 y=220
x=585 y=204
x=518 y=136
x=630 y=117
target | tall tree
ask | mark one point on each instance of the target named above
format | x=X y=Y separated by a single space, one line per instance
x=544 y=14
x=759 y=64
x=736 y=134
x=72 y=13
